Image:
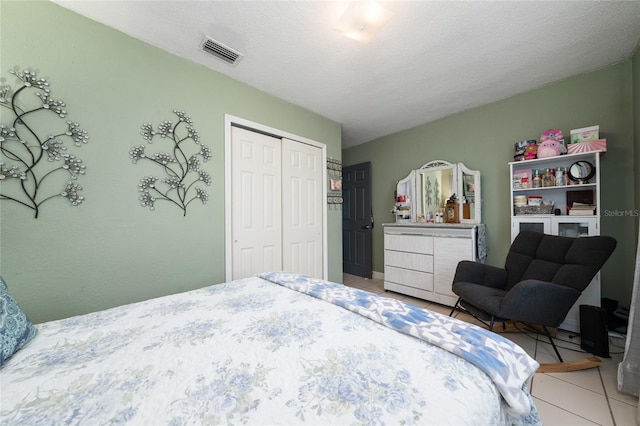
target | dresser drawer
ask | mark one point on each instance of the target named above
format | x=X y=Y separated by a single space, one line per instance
x=407 y=277
x=410 y=243
x=414 y=261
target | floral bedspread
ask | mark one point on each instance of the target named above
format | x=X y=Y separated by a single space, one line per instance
x=254 y=352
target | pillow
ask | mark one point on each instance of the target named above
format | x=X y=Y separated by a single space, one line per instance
x=15 y=328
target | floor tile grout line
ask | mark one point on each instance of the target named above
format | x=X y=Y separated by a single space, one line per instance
x=565 y=410
x=632 y=404
x=604 y=389
x=606 y=395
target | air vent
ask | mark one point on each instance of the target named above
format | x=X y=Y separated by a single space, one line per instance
x=220 y=51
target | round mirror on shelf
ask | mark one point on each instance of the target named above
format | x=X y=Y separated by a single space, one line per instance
x=581 y=171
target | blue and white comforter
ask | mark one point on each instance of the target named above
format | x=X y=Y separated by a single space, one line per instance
x=253 y=352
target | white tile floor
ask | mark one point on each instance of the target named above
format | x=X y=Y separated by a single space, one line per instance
x=587 y=397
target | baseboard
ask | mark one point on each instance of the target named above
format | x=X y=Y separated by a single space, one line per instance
x=377 y=275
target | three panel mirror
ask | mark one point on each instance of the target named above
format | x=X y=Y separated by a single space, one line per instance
x=423 y=195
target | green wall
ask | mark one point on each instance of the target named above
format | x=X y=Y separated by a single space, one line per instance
x=483 y=138
x=636 y=126
x=111 y=251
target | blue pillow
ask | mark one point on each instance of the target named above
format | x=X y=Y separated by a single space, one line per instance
x=15 y=328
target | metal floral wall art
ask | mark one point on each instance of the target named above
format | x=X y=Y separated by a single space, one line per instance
x=35 y=165
x=180 y=164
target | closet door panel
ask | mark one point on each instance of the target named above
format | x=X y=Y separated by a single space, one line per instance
x=256 y=207
x=302 y=174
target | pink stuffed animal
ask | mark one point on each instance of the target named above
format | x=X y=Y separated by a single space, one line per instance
x=552 y=134
x=551 y=144
x=549 y=148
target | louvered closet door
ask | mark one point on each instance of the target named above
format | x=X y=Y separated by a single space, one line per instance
x=256 y=181
x=302 y=208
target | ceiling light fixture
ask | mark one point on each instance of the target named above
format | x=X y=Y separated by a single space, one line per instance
x=361 y=20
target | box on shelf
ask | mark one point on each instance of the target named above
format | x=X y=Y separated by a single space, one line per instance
x=585 y=134
x=588 y=146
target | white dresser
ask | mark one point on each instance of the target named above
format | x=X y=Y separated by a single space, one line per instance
x=420 y=259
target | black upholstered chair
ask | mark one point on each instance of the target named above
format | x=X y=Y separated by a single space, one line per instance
x=542 y=278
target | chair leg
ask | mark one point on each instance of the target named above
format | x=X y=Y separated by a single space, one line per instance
x=454 y=307
x=546 y=331
x=462 y=309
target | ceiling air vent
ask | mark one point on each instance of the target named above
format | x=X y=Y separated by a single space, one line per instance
x=220 y=51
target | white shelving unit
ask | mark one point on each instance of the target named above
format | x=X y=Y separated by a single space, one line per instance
x=562 y=223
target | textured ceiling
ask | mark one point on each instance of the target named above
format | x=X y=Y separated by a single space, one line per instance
x=433 y=59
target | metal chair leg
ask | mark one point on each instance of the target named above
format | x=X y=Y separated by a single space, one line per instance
x=455 y=306
x=544 y=327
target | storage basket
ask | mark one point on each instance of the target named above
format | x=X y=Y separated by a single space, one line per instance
x=543 y=209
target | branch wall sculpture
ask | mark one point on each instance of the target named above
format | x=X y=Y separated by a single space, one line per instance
x=181 y=165
x=29 y=157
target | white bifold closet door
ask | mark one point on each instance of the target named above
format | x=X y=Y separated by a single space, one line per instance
x=276 y=186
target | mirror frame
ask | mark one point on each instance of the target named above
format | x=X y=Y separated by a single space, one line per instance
x=477 y=193
x=432 y=166
x=407 y=186
x=584 y=179
x=411 y=186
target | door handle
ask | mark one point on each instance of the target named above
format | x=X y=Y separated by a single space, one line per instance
x=369 y=226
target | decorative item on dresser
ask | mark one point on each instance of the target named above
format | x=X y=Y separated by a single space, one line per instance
x=571 y=209
x=438 y=224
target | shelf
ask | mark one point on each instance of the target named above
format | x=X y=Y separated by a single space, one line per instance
x=536 y=215
x=546 y=188
x=572 y=216
x=566 y=157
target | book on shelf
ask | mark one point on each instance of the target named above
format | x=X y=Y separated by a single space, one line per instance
x=582 y=209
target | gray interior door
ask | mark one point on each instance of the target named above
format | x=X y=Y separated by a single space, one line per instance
x=357 y=220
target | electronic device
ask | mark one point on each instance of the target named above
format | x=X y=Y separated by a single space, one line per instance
x=594 y=336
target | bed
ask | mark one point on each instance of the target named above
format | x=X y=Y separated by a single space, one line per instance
x=278 y=348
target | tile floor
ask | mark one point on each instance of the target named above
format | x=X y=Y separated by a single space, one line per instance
x=588 y=397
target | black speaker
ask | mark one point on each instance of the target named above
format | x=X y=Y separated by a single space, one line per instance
x=594 y=336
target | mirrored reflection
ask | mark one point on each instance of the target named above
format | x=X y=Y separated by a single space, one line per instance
x=436 y=186
x=581 y=171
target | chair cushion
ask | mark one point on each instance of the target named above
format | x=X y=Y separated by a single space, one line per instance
x=488 y=299
x=566 y=261
x=541 y=269
x=522 y=252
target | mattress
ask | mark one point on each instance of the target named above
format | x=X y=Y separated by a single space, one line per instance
x=278 y=348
